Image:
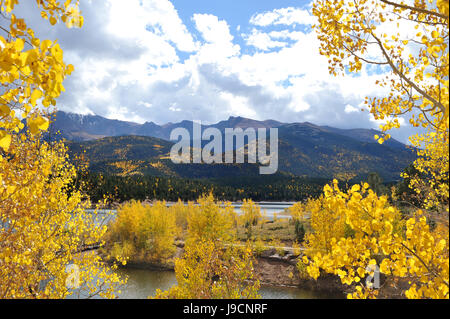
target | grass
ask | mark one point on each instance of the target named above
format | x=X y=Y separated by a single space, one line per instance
x=280 y=229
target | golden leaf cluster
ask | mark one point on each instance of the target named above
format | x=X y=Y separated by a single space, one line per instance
x=44 y=230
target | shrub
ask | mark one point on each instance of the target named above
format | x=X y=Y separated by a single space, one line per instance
x=149 y=230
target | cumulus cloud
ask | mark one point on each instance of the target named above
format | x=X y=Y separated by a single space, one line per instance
x=283 y=16
x=218 y=43
x=262 y=40
x=139 y=61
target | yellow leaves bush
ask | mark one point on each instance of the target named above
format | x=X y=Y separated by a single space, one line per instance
x=409 y=250
x=211 y=221
x=181 y=212
x=43 y=230
x=214 y=264
x=143 y=230
x=208 y=271
x=417 y=88
x=251 y=215
x=30 y=69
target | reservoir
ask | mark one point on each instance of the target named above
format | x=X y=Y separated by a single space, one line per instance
x=143 y=283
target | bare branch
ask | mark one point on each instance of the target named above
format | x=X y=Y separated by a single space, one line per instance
x=402 y=76
x=414 y=9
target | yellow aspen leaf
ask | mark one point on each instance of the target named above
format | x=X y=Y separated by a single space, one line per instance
x=45 y=44
x=37 y=123
x=4 y=110
x=19 y=44
x=70 y=69
x=5 y=140
x=37 y=94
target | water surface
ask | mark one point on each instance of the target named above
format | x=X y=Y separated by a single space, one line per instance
x=143 y=283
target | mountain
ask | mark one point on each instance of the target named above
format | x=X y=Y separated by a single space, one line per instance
x=309 y=150
x=305 y=149
x=77 y=127
x=143 y=155
x=364 y=135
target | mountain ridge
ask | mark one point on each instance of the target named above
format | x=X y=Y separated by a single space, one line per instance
x=305 y=149
x=77 y=127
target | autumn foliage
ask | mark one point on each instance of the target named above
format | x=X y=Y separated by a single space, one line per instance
x=143 y=233
x=43 y=231
x=355 y=230
x=214 y=264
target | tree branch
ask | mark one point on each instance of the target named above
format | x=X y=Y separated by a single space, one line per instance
x=402 y=76
x=404 y=6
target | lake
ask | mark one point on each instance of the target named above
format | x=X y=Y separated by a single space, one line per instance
x=143 y=283
x=271 y=209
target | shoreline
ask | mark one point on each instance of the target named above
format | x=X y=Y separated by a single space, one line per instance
x=115 y=205
x=275 y=270
x=271 y=269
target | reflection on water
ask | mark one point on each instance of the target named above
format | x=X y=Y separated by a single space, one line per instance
x=143 y=283
x=294 y=293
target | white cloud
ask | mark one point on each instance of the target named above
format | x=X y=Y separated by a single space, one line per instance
x=159 y=16
x=350 y=108
x=174 y=108
x=262 y=41
x=285 y=16
x=219 y=41
x=148 y=105
x=129 y=66
x=239 y=105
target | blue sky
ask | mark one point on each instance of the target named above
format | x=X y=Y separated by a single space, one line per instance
x=236 y=13
x=167 y=61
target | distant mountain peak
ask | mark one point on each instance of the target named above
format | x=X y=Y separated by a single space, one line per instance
x=237 y=118
x=79 y=127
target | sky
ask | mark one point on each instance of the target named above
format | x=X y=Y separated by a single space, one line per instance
x=167 y=61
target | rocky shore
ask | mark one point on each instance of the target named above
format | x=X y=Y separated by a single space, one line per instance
x=275 y=269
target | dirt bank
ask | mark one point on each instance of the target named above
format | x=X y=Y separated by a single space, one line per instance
x=279 y=272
